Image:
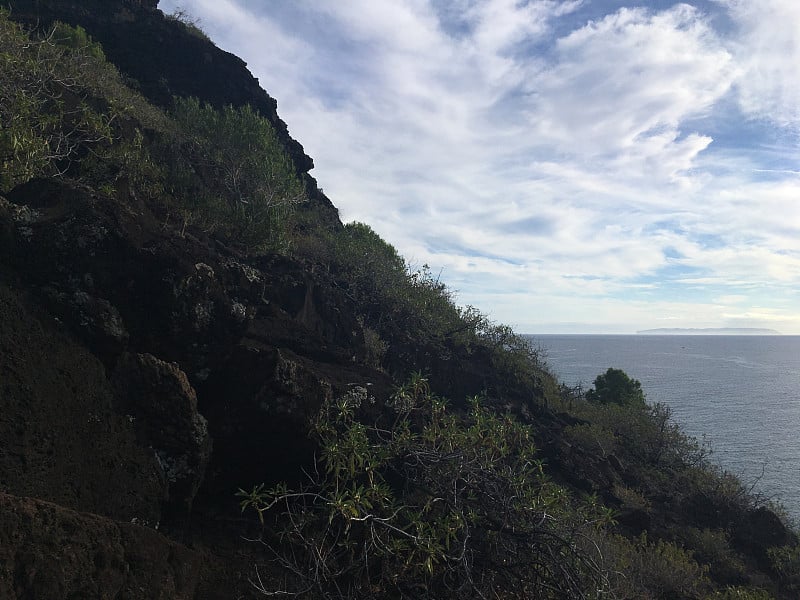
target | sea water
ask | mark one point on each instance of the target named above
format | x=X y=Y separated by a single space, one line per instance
x=739 y=394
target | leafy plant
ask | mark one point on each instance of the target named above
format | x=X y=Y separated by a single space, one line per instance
x=616 y=387
x=248 y=186
x=655 y=570
x=44 y=113
x=786 y=563
x=428 y=504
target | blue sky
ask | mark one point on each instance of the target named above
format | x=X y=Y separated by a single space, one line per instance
x=569 y=166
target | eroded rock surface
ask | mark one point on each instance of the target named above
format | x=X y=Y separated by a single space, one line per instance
x=162 y=406
x=47 y=551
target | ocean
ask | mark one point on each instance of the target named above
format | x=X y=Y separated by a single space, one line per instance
x=739 y=394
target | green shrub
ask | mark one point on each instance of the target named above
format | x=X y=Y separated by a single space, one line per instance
x=44 y=117
x=429 y=504
x=713 y=548
x=61 y=104
x=245 y=181
x=415 y=312
x=786 y=563
x=656 y=570
x=78 y=40
x=631 y=499
x=615 y=387
x=592 y=437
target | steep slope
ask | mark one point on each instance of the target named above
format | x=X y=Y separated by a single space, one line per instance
x=151 y=365
x=167 y=59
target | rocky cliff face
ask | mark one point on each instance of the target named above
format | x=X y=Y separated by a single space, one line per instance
x=145 y=376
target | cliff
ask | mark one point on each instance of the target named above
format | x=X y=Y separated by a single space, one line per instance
x=152 y=363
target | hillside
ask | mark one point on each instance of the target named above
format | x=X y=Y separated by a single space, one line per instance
x=210 y=387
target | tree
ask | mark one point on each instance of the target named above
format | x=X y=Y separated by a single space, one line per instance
x=616 y=387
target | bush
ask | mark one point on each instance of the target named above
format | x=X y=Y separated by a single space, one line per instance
x=44 y=114
x=786 y=563
x=77 y=40
x=429 y=504
x=63 y=107
x=245 y=179
x=712 y=547
x=656 y=570
x=615 y=387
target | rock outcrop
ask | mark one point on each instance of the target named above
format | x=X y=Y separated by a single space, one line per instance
x=48 y=551
x=125 y=349
x=158 y=400
x=62 y=441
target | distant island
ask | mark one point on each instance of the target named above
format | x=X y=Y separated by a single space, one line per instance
x=710 y=331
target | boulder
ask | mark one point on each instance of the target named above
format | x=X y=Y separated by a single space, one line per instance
x=162 y=405
x=61 y=439
x=48 y=551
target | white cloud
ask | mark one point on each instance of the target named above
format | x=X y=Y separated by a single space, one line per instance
x=553 y=180
x=623 y=85
x=768 y=48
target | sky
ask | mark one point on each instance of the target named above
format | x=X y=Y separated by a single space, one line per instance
x=566 y=166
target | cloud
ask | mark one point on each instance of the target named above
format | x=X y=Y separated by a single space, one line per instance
x=556 y=169
x=768 y=48
x=622 y=86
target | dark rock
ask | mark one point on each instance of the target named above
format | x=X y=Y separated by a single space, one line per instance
x=163 y=407
x=47 y=551
x=97 y=321
x=259 y=402
x=116 y=278
x=61 y=440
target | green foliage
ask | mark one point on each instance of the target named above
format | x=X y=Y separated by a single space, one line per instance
x=392 y=297
x=415 y=313
x=61 y=103
x=656 y=570
x=616 y=387
x=644 y=436
x=372 y=267
x=786 y=563
x=78 y=40
x=243 y=180
x=712 y=547
x=125 y=166
x=43 y=116
x=429 y=504
x=631 y=499
x=374 y=346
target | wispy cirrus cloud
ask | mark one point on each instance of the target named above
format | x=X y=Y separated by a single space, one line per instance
x=768 y=49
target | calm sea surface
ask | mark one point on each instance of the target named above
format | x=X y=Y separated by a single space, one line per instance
x=739 y=393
